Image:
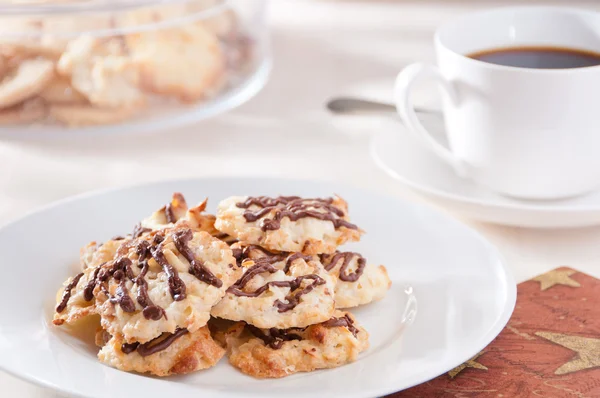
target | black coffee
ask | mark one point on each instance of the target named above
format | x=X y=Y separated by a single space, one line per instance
x=539 y=57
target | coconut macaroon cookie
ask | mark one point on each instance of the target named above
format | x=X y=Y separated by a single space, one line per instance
x=101 y=70
x=163 y=281
x=358 y=282
x=278 y=353
x=167 y=215
x=288 y=223
x=25 y=81
x=177 y=212
x=186 y=62
x=180 y=352
x=94 y=254
x=75 y=299
x=278 y=290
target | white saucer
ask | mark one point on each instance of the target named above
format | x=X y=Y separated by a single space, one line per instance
x=402 y=156
x=464 y=293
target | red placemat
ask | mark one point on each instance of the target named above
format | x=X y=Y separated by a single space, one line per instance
x=550 y=347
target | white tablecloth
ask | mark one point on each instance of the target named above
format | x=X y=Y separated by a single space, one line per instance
x=322 y=48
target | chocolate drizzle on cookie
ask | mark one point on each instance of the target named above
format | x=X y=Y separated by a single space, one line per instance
x=138 y=231
x=150 y=311
x=344 y=321
x=267 y=257
x=88 y=290
x=197 y=268
x=230 y=240
x=67 y=293
x=330 y=261
x=120 y=270
x=265 y=264
x=256 y=269
x=290 y=260
x=153 y=346
x=275 y=337
x=178 y=201
x=238 y=255
x=128 y=348
x=293 y=299
x=169 y=214
x=294 y=208
x=176 y=285
x=143 y=251
x=121 y=296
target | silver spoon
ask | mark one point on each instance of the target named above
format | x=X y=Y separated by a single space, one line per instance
x=349 y=105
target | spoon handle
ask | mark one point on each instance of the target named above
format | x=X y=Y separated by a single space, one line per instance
x=349 y=105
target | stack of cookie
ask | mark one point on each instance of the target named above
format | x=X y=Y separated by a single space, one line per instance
x=153 y=291
x=266 y=269
x=294 y=284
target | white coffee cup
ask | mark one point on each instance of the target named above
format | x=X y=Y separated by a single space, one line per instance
x=527 y=133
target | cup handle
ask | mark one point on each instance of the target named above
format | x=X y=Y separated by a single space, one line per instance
x=403 y=98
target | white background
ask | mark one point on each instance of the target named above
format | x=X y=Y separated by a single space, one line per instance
x=322 y=49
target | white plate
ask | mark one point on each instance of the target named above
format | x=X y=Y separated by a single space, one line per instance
x=464 y=292
x=405 y=159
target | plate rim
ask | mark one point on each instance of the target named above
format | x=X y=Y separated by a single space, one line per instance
x=501 y=321
x=239 y=95
x=492 y=333
x=462 y=199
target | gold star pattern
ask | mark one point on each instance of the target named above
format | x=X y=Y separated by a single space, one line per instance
x=587 y=349
x=471 y=363
x=556 y=277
